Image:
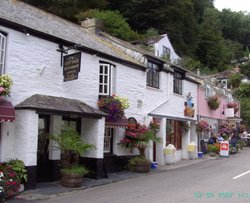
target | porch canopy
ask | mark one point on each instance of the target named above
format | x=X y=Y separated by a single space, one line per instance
x=172 y=117
x=7 y=111
x=59 y=106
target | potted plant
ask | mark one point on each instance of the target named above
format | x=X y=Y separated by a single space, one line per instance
x=9 y=182
x=5 y=84
x=71 y=146
x=213 y=149
x=139 y=136
x=114 y=106
x=213 y=102
x=20 y=170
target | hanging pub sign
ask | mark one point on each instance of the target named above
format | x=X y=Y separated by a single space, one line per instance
x=71 y=66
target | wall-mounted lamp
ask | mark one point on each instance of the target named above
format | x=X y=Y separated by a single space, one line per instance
x=26 y=32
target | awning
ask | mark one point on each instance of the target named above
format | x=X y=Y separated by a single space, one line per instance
x=172 y=117
x=59 y=106
x=234 y=119
x=121 y=123
x=7 y=111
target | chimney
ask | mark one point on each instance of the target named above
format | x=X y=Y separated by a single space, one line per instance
x=198 y=72
x=93 y=25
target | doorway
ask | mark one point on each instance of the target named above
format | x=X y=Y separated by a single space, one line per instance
x=43 y=166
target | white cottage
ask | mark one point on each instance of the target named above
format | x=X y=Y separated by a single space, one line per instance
x=47 y=96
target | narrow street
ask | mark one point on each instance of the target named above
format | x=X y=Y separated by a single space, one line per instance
x=218 y=180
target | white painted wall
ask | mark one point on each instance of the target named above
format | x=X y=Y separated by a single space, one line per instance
x=26 y=136
x=166 y=42
x=34 y=65
x=93 y=133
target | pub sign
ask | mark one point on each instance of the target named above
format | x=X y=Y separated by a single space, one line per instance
x=71 y=66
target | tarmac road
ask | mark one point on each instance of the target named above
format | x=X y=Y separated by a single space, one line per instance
x=218 y=180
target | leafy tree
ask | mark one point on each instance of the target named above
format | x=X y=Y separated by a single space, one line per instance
x=243 y=95
x=235 y=80
x=211 y=50
x=67 y=9
x=114 y=23
x=245 y=69
x=191 y=64
x=151 y=32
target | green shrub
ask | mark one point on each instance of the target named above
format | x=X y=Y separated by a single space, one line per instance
x=19 y=168
x=140 y=160
x=79 y=170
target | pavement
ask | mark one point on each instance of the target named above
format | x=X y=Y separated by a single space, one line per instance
x=50 y=190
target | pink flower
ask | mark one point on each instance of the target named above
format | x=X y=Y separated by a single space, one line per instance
x=2 y=89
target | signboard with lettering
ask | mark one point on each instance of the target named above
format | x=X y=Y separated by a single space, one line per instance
x=71 y=66
x=224 y=148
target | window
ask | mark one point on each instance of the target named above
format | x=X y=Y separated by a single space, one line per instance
x=208 y=91
x=166 y=52
x=2 y=53
x=153 y=75
x=106 y=72
x=178 y=77
x=108 y=140
x=174 y=136
x=74 y=123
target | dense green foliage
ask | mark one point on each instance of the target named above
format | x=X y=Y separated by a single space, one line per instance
x=113 y=22
x=208 y=38
x=243 y=94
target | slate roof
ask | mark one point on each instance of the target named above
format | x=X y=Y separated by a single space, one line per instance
x=59 y=105
x=25 y=15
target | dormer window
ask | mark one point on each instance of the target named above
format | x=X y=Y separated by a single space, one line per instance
x=178 y=78
x=153 y=74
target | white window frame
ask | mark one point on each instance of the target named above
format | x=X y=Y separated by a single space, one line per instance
x=106 y=79
x=107 y=145
x=208 y=91
x=166 y=51
x=3 y=41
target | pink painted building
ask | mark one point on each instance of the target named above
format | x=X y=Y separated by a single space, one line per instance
x=217 y=115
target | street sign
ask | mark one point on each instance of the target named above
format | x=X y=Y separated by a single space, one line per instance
x=224 y=148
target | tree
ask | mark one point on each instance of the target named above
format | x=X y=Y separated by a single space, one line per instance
x=211 y=50
x=243 y=95
x=235 y=80
x=245 y=69
x=114 y=23
x=67 y=9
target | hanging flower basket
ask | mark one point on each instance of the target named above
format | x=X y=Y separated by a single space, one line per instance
x=203 y=126
x=114 y=106
x=213 y=102
x=5 y=85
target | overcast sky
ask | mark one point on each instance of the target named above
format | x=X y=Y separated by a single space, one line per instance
x=234 y=5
